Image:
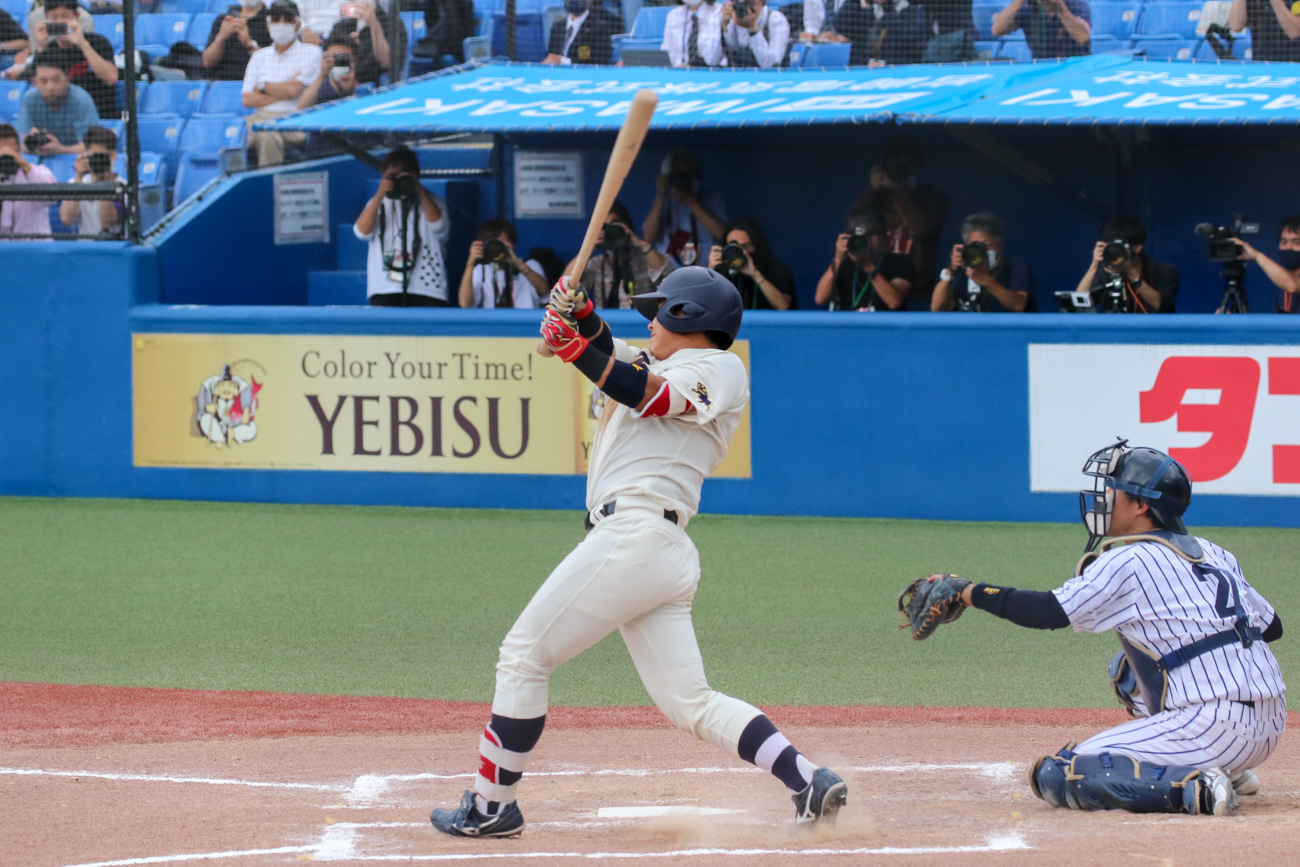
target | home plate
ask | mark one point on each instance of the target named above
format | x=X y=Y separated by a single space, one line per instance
x=651 y=811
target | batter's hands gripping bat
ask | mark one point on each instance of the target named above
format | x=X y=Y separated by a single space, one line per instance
x=626 y=147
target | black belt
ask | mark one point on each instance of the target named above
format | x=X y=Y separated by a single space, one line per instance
x=608 y=509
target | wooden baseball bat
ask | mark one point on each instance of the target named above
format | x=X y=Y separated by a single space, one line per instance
x=626 y=147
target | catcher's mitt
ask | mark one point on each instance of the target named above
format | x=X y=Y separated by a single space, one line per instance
x=928 y=602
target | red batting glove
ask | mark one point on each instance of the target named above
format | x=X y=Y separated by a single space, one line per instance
x=562 y=337
x=568 y=299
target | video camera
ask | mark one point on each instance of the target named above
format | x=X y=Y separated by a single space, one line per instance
x=616 y=237
x=1222 y=249
x=494 y=252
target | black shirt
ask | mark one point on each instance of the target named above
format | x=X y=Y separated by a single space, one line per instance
x=9 y=28
x=777 y=273
x=896 y=38
x=1013 y=274
x=1161 y=275
x=592 y=43
x=1268 y=41
x=367 y=65
x=80 y=74
x=234 y=56
x=853 y=285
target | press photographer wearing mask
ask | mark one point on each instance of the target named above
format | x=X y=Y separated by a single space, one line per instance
x=626 y=266
x=979 y=278
x=586 y=36
x=685 y=221
x=337 y=77
x=864 y=275
x=693 y=34
x=745 y=258
x=276 y=76
x=406 y=226
x=1284 y=271
x=755 y=34
x=1123 y=278
x=495 y=276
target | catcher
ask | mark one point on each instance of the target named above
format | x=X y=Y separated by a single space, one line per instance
x=1195 y=670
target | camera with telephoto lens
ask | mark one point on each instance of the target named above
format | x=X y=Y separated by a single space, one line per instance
x=34 y=140
x=616 y=237
x=741 y=8
x=495 y=252
x=56 y=28
x=1222 y=248
x=1116 y=254
x=734 y=257
x=975 y=255
x=682 y=182
x=404 y=187
x=100 y=163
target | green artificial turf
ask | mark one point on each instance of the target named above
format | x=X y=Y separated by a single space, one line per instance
x=413 y=602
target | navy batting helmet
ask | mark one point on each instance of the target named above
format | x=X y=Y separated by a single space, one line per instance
x=695 y=299
x=1144 y=474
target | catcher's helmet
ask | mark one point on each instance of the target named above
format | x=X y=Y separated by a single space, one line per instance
x=1144 y=474
x=695 y=299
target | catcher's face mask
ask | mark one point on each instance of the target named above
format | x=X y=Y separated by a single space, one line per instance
x=1097 y=505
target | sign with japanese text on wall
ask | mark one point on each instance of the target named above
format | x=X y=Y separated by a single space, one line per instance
x=302 y=208
x=548 y=184
x=398 y=404
x=1229 y=414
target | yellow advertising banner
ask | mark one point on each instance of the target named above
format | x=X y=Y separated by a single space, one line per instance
x=372 y=403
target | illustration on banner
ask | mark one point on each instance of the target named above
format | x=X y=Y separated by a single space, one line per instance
x=226 y=404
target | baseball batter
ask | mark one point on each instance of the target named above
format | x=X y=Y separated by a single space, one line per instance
x=1195 y=669
x=667 y=424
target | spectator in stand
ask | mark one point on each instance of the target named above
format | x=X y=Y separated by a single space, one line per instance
x=746 y=259
x=984 y=281
x=86 y=57
x=95 y=166
x=55 y=107
x=585 y=36
x=1053 y=28
x=318 y=18
x=1274 y=28
x=885 y=33
x=693 y=34
x=407 y=227
x=87 y=21
x=21 y=218
x=234 y=39
x=337 y=77
x=1145 y=285
x=954 y=28
x=684 y=221
x=760 y=37
x=377 y=38
x=914 y=212
x=12 y=38
x=1284 y=271
x=817 y=17
x=864 y=275
x=447 y=24
x=495 y=276
x=626 y=265
x=276 y=76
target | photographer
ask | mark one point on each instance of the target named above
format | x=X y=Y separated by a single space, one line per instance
x=765 y=282
x=628 y=265
x=693 y=34
x=1284 y=271
x=1053 y=28
x=495 y=276
x=95 y=166
x=755 y=35
x=55 y=110
x=233 y=39
x=864 y=275
x=337 y=77
x=406 y=226
x=1274 y=28
x=891 y=32
x=684 y=221
x=1124 y=279
x=21 y=218
x=914 y=212
x=376 y=38
x=86 y=57
x=979 y=278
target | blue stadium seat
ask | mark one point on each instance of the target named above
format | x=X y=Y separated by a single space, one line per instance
x=196 y=169
x=224 y=97
x=162 y=135
x=415 y=29
x=110 y=27
x=477 y=48
x=983 y=16
x=183 y=7
x=61 y=166
x=160 y=30
x=182 y=98
x=220 y=6
x=211 y=134
x=649 y=23
x=1015 y=49
x=118 y=130
x=200 y=27
x=1106 y=46
x=1166 y=49
x=986 y=50
x=1240 y=49
x=827 y=55
x=1169 y=21
x=797 y=51
x=150 y=167
x=18 y=9
x=140 y=88
x=530 y=36
x=1115 y=20
x=11 y=97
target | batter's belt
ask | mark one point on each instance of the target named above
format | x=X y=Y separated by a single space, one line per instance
x=623 y=503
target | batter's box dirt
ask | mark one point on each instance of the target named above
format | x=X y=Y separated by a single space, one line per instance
x=924 y=793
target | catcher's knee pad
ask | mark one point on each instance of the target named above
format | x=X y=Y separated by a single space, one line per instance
x=1115 y=782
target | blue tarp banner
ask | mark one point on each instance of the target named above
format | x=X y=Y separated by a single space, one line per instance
x=509 y=97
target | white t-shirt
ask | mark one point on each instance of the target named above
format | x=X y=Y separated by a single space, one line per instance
x=88 y=222
x=1157 y=600
x=677 y=34
x=667 y=458
x=769 y=49
x=319 y=16
x=300 y=61
x=489 y=281
x=430 y=274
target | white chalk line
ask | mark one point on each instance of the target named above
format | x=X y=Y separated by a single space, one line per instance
x=203 y=856
x=651 y=811
x=155 y=778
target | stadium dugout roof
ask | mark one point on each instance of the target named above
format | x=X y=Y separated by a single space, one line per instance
x=501 y=97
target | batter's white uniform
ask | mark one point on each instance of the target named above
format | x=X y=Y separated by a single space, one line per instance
x=1225 y=708
x=637 y=571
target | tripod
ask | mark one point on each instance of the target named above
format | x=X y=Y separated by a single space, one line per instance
x=1234 y=288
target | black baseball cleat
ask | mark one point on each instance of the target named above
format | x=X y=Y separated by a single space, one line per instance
x=821 y=799
x=467 y=821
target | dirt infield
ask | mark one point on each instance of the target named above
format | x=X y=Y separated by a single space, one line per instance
x=93 y=775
